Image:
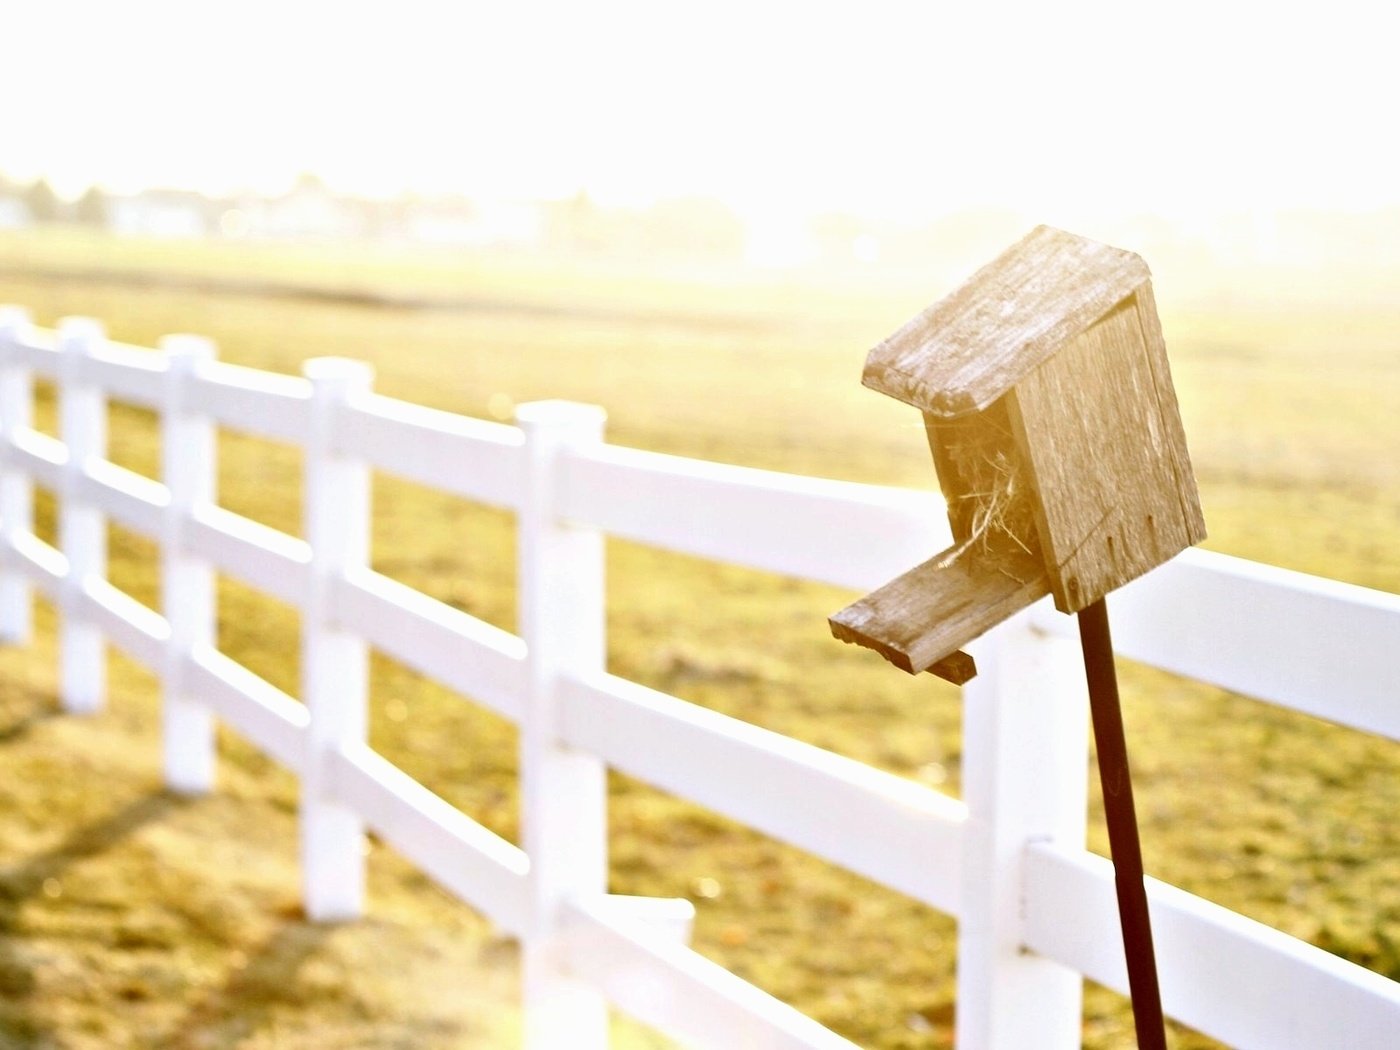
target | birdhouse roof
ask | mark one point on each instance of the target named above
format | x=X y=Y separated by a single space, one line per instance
x=1011 y=316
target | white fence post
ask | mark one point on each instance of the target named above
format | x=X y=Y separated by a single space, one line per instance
x=1025 y=779
x=563 y=792
x=16 y=490
x=187 y=582
x=81 y=528
x=334 y=664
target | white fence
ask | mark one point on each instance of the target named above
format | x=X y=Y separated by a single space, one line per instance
x=1007 y=861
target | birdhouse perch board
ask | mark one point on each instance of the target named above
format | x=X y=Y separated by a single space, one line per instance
x=1056 y=437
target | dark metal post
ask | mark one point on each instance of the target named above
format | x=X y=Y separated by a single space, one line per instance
x=1122 y=826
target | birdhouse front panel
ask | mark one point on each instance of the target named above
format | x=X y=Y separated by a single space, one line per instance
x=1107 y=458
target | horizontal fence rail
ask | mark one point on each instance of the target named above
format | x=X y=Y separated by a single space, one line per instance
x=678 y=747
x=1007 y=862
x=264 y=714
x=469 y=656
x=1241 y=981
x=258 y=403
x=745 y=516
x=464 y=858
x=1309 y=644
x=455 y=454
x=681 y=992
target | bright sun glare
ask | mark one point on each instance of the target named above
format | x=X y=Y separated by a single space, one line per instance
x=889 y=109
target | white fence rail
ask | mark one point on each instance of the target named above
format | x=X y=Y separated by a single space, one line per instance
x=1007 y=861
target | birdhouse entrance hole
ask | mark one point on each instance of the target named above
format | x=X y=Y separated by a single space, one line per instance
x=982 y=473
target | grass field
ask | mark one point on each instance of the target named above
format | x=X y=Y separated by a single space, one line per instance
x=129 y=918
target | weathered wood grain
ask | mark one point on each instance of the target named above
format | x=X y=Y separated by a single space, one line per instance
x=1105 y=460
x=1172 y=428
x=968 y=349
x=919 y=621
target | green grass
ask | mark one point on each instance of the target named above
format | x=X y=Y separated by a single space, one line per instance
x=180 y=918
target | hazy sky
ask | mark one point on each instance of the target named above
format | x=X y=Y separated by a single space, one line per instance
x=892 y=108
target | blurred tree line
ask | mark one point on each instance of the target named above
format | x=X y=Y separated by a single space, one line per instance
x=41 y=205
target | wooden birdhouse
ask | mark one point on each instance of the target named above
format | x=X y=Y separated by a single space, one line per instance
x=1055 y=433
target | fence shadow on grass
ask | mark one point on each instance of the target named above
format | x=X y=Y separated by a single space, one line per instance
x=255 y=987
x=20 y=882
x=25 y=880
x=22 y=707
